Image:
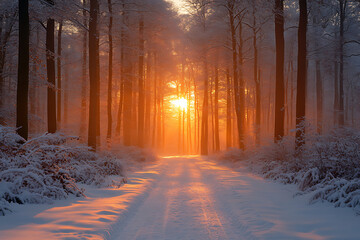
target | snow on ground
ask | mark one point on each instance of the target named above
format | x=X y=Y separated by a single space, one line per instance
x=52 y=166
x=327 y=168
x=185 y=198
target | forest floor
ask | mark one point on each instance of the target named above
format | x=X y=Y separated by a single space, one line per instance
x=184 y=198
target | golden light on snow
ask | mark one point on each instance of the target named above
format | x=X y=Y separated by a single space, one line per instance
x=180 y=103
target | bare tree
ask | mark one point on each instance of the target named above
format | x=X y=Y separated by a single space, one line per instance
x=94 y=75
x=141 y=102
x=23 y=70
x=110 y=73
x=58 y=63
x=50 y=69
x=279 y=88
x=301 y=75
x=83 y=72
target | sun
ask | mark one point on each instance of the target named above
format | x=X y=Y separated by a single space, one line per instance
x=180 y=103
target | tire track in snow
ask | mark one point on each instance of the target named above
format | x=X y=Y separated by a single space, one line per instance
x=138 y=200
x=232 y=211
x=211 y=219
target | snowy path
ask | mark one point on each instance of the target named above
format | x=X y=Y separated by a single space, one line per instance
x=186 y=198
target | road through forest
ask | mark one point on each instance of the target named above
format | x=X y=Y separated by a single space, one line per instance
x=186 y=198
x=198 y=199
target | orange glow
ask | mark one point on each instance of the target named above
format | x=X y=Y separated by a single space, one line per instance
x=180 y=103
x=172 y=84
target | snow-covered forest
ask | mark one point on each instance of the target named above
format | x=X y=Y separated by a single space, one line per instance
x=212 y=75
x=94 y=91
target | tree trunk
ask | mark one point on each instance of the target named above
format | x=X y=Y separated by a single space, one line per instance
x=292 y=89
x=228 y=110
x=258 y=108
x=279 y=88
x=257 y=82
x=59 y=90
x=147 y=100
x=23 y=71
x=50 y=68
x=128 y=120
x=205 y=112
x=235 y=77
x=319 y=97
x=342 y=6
x=33 y=90
x=134 y=109
x=319 y=84
x=183 y=110
x=83 y=77
x=110 y=74
x=162 y=118
x=287 y=102
x=158 y=115
x=66 y=94
x=155 y=104
x=189 y=141
x=197 y=117
x=2 y=62
x=241 y=85
x=301 y=76
x=212 y=114
x=122 y=74
x=336 y=91
x=179 y=119
x=94 y=75
x=141 y=103
x=5 y=34
x=217 y=136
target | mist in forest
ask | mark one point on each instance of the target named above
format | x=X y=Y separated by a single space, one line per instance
x=180 y=77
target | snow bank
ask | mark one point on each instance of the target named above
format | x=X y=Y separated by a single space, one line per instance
x=49 y=167
x=327 y=168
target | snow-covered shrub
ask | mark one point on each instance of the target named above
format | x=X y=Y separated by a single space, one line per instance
x=327 y=167
x=9 y=138
x=31 y=175
x=49 y=167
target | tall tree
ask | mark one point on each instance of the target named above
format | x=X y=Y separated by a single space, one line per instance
x=256 y=77
x=50 y=69
x=128 y=104
x=147 y=99
x=127 y=81
x=237 y=88
x=342 y=14
x=279 y=88
x=66 y=92
x=228 y=110
x=141 y=102
x=83 y=73
x=241 y=81
x=301 y=75
x=59 y=90
x=318 y=78
x=336 y=89
x=94 y=118
x=122 y=54
x=7 y=21
x=23 y=70
x=110 y=73
x=216 y=115
x=205 y=111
